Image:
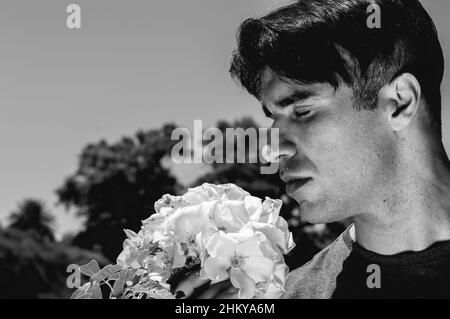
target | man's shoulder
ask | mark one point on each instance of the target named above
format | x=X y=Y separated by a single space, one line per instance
x=317 y=278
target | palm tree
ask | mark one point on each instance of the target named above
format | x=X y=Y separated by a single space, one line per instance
x=31 y=214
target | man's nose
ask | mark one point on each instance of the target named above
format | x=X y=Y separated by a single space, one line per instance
x=286 y=145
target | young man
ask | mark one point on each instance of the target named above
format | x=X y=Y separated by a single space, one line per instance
x=358 y=109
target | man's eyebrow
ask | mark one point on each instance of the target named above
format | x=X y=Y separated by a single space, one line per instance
x=294 y=97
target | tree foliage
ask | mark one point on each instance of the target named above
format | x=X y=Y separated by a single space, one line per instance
x=31 y=214
x=116 y=185
x=34 y=267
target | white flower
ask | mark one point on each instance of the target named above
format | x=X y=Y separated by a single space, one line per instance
x=237 y=256
x=230 y=215
x=235 y=236
x=188 y=222
x=275 y=288
x=207 y=192
x=267 y=219
x=161 y=263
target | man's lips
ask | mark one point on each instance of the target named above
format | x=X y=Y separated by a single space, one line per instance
x=294 y=184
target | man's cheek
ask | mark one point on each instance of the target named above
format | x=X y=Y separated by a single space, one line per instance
x=337 y=161
x=327 y=144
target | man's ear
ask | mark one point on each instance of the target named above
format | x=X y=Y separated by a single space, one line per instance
x=400 y=99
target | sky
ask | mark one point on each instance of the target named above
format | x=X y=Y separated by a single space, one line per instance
x=134 y=64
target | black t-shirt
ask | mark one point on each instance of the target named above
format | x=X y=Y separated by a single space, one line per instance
x=424 y=274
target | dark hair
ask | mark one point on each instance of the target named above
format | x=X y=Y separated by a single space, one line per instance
x=329 y=41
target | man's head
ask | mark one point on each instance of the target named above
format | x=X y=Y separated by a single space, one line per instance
x=348 y=99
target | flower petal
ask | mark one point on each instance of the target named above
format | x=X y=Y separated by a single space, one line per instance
x=179 y=259
x=274 y=234
x=273 y=291
x=221 y=246
x=249 y=248
x=271 y=210
x=245 y=233
x=244 y=283
x=260 y=269
x=280 y=273
x=230 y=215
x=130 y=257
x=216 y=269
x=253 y=206
x=234 y=192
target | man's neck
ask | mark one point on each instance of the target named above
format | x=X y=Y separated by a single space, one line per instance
x=413 y=214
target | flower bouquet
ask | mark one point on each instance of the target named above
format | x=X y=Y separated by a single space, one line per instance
x=220 y=229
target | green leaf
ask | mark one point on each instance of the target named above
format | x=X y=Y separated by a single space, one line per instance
x=118 y=285
x=106 y=272
x=90 y=269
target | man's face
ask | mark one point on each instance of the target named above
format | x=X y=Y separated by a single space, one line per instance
x=334 y=158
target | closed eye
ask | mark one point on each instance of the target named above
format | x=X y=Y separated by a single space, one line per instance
x=301 y=113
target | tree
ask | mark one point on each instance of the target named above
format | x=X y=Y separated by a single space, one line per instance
x=31 y=214
x=116 y=185
x=32 y=267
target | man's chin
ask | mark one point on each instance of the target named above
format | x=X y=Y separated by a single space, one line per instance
x=314 y=213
